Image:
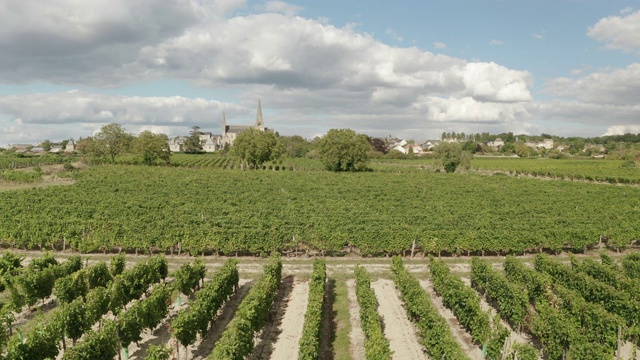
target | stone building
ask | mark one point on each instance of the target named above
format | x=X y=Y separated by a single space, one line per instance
x=229 y=132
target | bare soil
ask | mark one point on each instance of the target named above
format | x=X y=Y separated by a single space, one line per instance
x=270 y=333
x=292 y=323
x=356 y=335
x=400 y=332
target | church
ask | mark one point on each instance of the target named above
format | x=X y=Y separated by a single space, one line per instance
x=229 y=132
x=213 y=142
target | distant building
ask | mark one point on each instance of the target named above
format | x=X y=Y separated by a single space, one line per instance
x=430 y=144
x=496 y=144
x=546 y=143
x=71 y=146
x=230 y=132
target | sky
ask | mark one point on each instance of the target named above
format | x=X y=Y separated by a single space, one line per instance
x=407 y=68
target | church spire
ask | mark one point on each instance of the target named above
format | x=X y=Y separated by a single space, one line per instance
x=259 y=120
x=224 y=124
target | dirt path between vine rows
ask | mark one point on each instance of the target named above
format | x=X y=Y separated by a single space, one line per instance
x=265 y=340
x=356 y=336
x=201 y=349
x=286 y=346
x=459 y=333
x=397 y=328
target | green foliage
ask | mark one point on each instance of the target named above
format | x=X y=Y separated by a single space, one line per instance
x=193 y=144
x=144 y=314
x=200 y=313
x=41 y=342
x=158 y=352
x=236 y=341
x=98 y=275
x=585 y=326
x=613 y=300
x=150 y=147
x=311 y=331
x=117 y=265
x=450 y=156
x=462 y=300
x=522 y=352
x=188 y=277
x=344 y=150
x=10 y=264
x=43 y=262
x=511 y=300
x=75 y=320
x=435 y=333
x=159 y=267
x=20 y=176
x=111 y=141
x=376 y=346
x=97 y=345
x=631 y=265
x=256 y=147
x=109 y=207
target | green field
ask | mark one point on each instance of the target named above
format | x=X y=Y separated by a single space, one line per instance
x=210 y=210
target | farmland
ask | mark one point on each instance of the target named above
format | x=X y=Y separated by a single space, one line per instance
x=556 y=298
x=220 y=290
x=212 y=211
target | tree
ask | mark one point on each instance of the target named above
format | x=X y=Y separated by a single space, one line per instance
x=256 y=147
x=451 y=156
x=296 y=146
x=150 y=147
x=378 y=145
x=193 y=144
x=111 y=141
x=46 y=145
x=344 y=150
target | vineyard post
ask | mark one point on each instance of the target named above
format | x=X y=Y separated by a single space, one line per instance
x=413 y=247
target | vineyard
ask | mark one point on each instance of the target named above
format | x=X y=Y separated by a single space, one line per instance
x=181 y=307
x=163 y=209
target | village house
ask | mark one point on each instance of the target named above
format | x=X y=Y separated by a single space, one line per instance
x=496 y=144
x=546 y=144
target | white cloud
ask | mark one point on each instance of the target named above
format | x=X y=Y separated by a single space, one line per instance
x=495 y=42
x=618 y=86
x=394 y=35
x=618 y=32
x=626 y=10
x=439 y=45
x=277 y=6
x=470 y=110
x=311 y=75
x=622 y=129
x=83 y=107
x=537 y=36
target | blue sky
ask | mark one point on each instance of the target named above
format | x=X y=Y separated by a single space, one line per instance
x=405 y=68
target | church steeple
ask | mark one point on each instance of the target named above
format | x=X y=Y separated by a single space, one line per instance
x=259 y=120
x=224 y=124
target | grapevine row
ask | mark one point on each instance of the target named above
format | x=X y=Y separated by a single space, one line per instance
x=510 y=299
x=615 y=301
x=311 y=331
x=463 y=301
x=434 y=330
x=201 y=312
x=376 y=346
x=236 y=341
x=584 y=326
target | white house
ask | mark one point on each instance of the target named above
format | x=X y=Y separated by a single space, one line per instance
x=496 y=144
